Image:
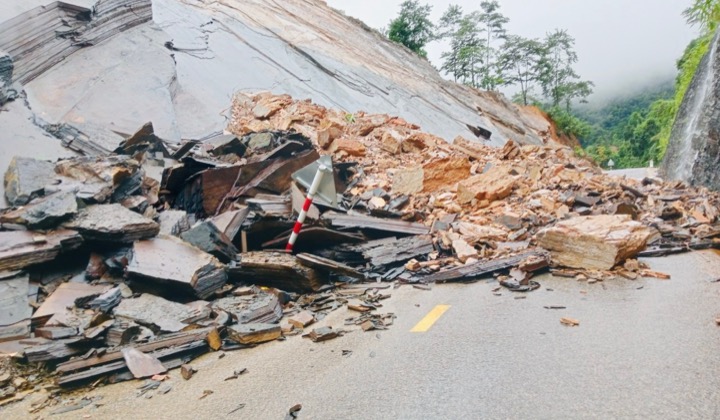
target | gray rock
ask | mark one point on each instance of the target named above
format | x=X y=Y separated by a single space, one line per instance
x=173 y=222
x=207 y=236
x=44 y=213
x=26 y=178
x=112 y=223
x=155 y=312
x=176 y=267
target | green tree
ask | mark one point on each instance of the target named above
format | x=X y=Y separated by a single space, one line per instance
x=705 y=13
x=559 y=80
x=466 y=52
x=492 y=26
x=520 y=63
x=413 y=27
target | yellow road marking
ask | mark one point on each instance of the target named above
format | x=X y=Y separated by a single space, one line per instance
x=430 y=318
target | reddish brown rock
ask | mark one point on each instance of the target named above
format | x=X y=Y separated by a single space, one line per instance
x=495 y=184
x=349 y=146
x=442 y=174
x=594 y=242
x=408 y=181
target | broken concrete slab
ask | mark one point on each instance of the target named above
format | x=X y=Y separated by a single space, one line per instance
x=26 y=178
x=20 y=249
x=112 y=223
x=594 y=242
x=171 y=263
x=207 y=237
x=43 y=213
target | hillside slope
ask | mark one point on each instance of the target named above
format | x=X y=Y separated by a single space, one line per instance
x=181 y=69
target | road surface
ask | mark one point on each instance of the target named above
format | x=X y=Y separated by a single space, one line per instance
x=645 y=348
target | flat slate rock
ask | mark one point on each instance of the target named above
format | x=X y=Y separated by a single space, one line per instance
x=254 y=333
x=20 y=249
x=277 y=269
x=142 y=365
x=26 y=179
x=155 y=312
x=173 y=222
x=15 y=312
x=177 y=265
x=97 y=180
x=63 y=297
x=44 y=213
x=209 y=238
x=112 y=223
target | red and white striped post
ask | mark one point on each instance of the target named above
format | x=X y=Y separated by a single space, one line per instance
x=322 y=169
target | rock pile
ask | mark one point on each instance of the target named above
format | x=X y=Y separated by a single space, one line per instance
x=113 y=266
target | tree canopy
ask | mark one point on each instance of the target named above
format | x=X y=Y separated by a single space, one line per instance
x=413 y=27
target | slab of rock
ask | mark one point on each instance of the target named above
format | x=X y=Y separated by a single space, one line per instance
x=302 y=319
x=155 y=313
x=99 y=180
x=594 y=242
x=207 y=237
x=15 y=312
x=64 y=297
x=173 y=222
x=20 y=249
x=142 y=365
x=408 y=181
x=349 y=146
x=495 y=184
x=442 y=174
x=265 y=308
x=224 y=144
x=177 y=265
x=463 y=250
x=276 y=269
x=43 y=213
x=112 y=223
x=254 y=333
x=144 y=140
x=26 y=179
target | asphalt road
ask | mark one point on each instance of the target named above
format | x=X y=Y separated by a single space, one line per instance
x=645 y=348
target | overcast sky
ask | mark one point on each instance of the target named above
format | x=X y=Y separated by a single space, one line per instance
x=622 y=44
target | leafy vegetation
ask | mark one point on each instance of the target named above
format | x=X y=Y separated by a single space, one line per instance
x=413 y=27
x=632 y=132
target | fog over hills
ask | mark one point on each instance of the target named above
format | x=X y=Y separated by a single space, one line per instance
x=624 y=46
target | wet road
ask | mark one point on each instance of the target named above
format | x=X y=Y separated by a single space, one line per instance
x=645 y=348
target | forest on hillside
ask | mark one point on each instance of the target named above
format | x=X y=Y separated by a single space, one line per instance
x=628 y=132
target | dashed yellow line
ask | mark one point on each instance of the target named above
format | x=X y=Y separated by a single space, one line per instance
x=430 y=318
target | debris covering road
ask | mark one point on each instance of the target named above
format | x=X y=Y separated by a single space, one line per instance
x=116 y=300
x=663 y=334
